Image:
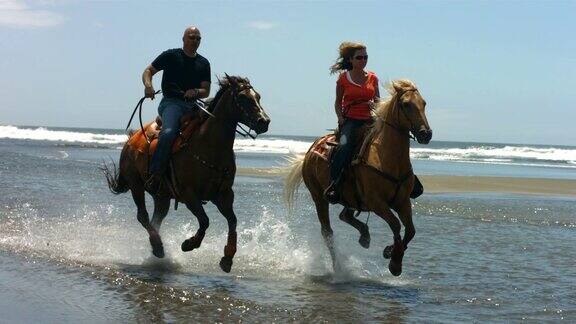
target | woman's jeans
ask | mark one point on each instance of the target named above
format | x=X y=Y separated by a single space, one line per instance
x=345 y=149
x=170 y=110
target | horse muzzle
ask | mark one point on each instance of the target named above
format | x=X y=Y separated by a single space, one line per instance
x=261 y=125
x=424 y=135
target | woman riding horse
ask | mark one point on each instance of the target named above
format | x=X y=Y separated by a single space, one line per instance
x=381 y=181
x=356 y=90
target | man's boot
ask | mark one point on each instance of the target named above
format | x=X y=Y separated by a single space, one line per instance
x=154 y=183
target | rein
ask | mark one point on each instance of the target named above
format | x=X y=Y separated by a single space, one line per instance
x=139 y=108
x=243 y=132
x=202 y=105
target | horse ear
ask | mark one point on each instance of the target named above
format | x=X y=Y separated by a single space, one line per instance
x=397 y=86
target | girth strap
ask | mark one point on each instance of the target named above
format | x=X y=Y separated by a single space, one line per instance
x=397 y=181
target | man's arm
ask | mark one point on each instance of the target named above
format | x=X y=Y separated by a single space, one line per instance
x=147 y=75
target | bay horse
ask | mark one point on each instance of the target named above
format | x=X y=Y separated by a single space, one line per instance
x=202 y=170
x=379 y=180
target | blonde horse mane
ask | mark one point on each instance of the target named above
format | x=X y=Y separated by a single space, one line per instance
x=380 y=113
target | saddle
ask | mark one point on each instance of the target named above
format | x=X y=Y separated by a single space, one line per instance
x=189 y=124
x=324 y=146
x=366 y=155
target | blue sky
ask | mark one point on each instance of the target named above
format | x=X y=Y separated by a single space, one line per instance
x=491 y=71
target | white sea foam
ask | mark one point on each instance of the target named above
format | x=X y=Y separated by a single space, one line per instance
x=525 y=155
x=497 y=154
x=43 y=134
x=272 y=145
x=268 y=248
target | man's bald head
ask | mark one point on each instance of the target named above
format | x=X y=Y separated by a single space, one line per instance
x=192 y=30
x=191 y=40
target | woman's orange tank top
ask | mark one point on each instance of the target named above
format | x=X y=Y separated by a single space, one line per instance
x=356 y=96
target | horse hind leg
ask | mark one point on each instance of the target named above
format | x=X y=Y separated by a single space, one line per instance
x=224 y=205
x=347 y=216
x=161 y=207
x=203 y=222
x=322 y=210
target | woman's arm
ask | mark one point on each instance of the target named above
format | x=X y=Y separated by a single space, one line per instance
x=338 y=103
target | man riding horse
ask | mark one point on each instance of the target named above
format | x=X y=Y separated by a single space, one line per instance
x=186 y=78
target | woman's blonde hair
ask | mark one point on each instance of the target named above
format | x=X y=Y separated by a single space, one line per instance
x=346 y=50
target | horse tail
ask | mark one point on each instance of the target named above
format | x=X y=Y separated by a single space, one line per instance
x=116 y=182
x=293 y=180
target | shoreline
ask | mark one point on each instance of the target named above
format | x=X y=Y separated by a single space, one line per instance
x=465 y=184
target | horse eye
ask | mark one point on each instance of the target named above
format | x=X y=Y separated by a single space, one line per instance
x=244 y=101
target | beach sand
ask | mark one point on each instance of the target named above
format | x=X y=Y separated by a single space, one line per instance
x=467 y=184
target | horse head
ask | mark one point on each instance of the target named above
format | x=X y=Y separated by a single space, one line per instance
x=248 y=110
x=406 y=111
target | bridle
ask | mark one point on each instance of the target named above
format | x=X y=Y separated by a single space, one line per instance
x=235 y=93
x=238 y=106
x=396 y=127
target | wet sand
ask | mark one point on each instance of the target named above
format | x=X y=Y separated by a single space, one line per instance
x=452 y=184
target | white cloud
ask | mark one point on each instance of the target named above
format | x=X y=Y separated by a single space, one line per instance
x=16 y=14
x=261 y=25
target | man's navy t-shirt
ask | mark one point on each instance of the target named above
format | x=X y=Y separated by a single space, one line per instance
x=181 y=72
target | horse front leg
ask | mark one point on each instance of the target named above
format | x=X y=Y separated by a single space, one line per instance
x=225 y=203
x=394 y=252
x=405 y=214
x=347 y=216
x=203 y=222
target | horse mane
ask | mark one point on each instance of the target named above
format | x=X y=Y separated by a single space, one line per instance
x=225 y=83
x=383 y=106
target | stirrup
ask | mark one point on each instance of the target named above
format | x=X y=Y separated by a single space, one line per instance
x=332 y=193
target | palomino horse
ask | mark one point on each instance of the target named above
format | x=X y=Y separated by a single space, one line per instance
x=202 y=170
x=380 y=180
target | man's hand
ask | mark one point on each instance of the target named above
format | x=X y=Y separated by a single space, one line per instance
x=149 y=92
x=191 y=94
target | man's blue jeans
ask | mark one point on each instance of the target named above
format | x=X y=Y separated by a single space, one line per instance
x=170 y=110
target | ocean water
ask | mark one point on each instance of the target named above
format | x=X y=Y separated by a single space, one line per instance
x=71 y=251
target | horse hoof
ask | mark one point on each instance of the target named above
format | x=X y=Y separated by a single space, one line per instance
x=395 y=268
x=226 y=264
x=158 y=251
x=189 y=245
x=364 y=241
x=387 y=253
x=157 y=247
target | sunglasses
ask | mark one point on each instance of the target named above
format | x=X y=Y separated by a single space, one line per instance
x=195 y=38
x=361 y=57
